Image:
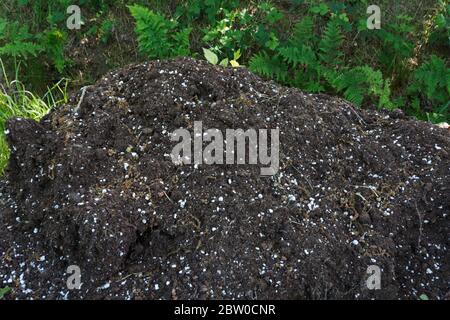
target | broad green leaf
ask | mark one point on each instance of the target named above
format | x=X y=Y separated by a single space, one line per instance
x=237 y=54
x=234 y=63
x=210 y=56
x=224 y=62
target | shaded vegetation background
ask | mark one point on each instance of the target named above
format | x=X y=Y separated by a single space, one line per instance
x=315 y=45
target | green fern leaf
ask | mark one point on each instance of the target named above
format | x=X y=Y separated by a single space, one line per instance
x=157 y=36
x=303 y=30
x=302 y=55
x=361 y=82
x=181 y=42
x=270 y=67
x=22 y=49
x=432 y=79
x=330 y=44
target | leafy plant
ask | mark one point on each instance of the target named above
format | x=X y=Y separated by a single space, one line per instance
x=105 y=30
x=54 y=41
x=17 y=41
x=317 y=46
x=269 y=66
x=321 y=8
x=440 y=29
x=212 y=58
x=398 y=45
x=159 y=37
x=432 y=79
x=431 y=82
x=317 y=64
x=208 y=10
x=234 y=30
x=330 y=51
x=361 y=82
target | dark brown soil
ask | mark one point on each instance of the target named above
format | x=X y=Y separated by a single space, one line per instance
x=95 y=187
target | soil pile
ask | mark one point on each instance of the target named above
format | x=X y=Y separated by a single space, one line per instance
x=93 y=185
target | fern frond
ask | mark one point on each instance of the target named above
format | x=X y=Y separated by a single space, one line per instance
x=331 y=42
x=271 y=67
x=182 y=42
x=303 y=30
x=361 y=82
x=154 y=33
x=432 y=78
x=22 y=49
x=261 y=64
x=18 y=42
x=302 y=55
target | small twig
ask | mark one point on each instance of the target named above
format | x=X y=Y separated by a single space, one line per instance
x=361 y=196
x=361 y=120
x=420 y=226
x=199 y=244
x=168 y=197
x=129 y=275
x=293 y=221
x=83 y=92
x=372 y=188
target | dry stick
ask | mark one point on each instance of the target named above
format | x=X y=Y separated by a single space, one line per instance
x=129 y=275
x=361 y=196
x=356 y=113
x=81 y=99
x=371 y=188
x=168 y=197
x=420 y=225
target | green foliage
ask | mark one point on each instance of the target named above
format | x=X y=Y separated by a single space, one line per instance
x=440 y=29
x=159 y=37
x=432 y=79
x=35 y=30
x=304 y=30
x=16 y=40
x=298 y=55
x=321 y=9
x=315 y=64
x=363 y=82
x=54 y=41
x=212 y=58
x=396 y=49
x=4 y=291
x=208 y=10
x=316 y=45
x=234 y=30
x=269 y=66
x=318 y=62
x=271 y=14
x=105 y=30
x=330 y=51
x=431 y=82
